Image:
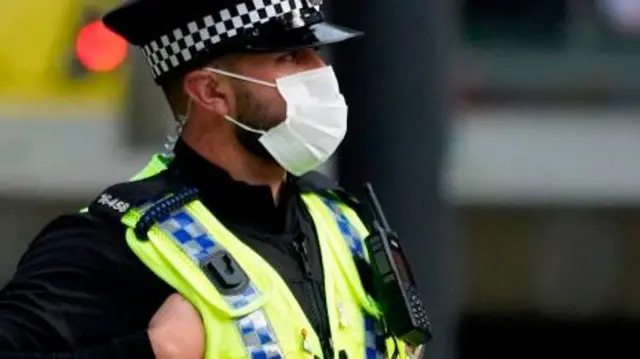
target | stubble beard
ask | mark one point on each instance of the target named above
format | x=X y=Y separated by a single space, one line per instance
x=253 y=113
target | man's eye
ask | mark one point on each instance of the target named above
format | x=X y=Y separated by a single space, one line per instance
x=288 y=57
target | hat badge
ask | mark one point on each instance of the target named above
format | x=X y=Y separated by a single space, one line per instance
x=296 y=19
x=314 y=3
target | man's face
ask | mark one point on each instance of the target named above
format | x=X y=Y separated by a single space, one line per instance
x=259 y=106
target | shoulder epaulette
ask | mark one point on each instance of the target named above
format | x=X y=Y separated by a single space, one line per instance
x=117 y=200
x=342 y=196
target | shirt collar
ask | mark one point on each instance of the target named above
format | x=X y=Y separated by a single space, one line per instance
x=227 y=197
x=192 y=164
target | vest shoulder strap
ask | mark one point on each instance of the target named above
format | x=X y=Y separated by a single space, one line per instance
x=333 y=199
x=339 y=202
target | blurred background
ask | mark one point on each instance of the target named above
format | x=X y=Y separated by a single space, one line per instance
x=506 y=133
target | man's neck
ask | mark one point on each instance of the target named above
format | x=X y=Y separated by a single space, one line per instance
x=241 y=165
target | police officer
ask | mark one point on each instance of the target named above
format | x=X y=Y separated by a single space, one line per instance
x=266 y=254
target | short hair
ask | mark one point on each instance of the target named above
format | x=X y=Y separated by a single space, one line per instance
x=176 y=97
x=173 y=87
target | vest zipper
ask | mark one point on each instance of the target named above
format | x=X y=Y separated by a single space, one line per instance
x=324 y=334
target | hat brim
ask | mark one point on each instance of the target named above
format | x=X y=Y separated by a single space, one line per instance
x=317 y=35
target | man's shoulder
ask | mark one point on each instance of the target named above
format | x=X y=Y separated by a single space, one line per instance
x=101 y=219
x=316 y=182
x=78 y=229
x=69 y=221
x=326 y=187
x=74 y=240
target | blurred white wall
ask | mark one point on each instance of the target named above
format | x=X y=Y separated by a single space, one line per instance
x=496 y=156
x=549 y=156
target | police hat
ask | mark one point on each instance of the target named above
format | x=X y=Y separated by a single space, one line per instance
x=176 y=36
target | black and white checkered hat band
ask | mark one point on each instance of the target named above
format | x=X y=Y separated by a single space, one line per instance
x=182 y=44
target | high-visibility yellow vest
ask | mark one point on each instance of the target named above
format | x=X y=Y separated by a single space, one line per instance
x=263 y=320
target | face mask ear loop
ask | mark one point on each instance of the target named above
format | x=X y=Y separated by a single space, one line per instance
x=240 y=77
x=243 y=126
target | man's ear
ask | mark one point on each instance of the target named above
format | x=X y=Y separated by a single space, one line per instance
x=208 y=90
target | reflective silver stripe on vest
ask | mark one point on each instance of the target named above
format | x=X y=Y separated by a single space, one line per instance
x=194 y=240
x=373 y=347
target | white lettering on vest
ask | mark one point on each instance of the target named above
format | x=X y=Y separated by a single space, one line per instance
x=113 y=203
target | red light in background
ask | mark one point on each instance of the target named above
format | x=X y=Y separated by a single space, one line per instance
x=100 y=49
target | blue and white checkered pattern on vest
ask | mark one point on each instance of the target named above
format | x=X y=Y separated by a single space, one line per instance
x=256 y=331
x=356 y=245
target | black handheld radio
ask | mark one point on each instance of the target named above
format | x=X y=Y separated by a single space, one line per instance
x=394 y=283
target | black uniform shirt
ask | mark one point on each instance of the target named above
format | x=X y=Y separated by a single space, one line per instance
x=80 y=292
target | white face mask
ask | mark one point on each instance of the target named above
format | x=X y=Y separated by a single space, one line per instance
x=316 y=121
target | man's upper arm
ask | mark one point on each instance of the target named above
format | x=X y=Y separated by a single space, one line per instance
x=61 y=295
